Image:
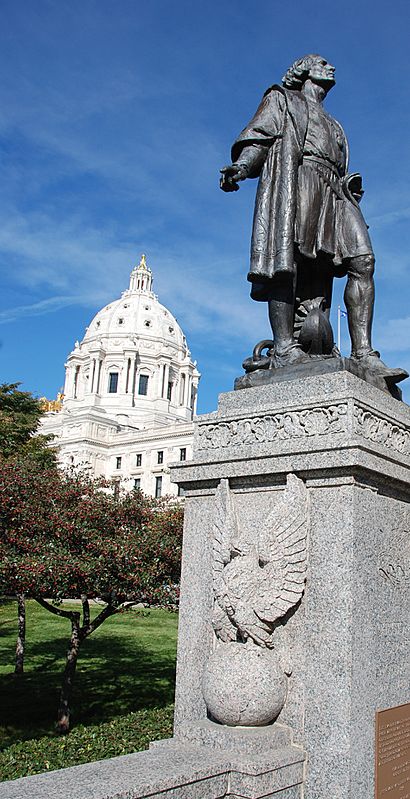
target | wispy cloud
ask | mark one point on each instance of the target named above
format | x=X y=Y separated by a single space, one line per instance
x=36 y=308
x=398 y=215
x=45 y=257
x=112 y=129
x=214 y=304
x=89 y=267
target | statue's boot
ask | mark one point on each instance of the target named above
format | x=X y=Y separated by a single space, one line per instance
x=371 y=360
x=286 y=351
x=289 y=356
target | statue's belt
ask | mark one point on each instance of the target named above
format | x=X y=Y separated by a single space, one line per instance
x=328 y=173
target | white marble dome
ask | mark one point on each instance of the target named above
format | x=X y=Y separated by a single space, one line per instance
x=137 y=313
x=133 y=362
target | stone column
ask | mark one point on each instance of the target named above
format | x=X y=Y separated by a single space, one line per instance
x=344 y=647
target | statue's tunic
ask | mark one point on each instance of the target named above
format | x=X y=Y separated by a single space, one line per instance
x=300 y=154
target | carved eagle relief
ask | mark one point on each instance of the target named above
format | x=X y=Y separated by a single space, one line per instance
x=255 y=585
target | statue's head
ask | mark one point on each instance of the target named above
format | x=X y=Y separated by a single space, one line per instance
x=313 y=67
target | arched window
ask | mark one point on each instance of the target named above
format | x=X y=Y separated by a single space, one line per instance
x=182 y=390
x=143 y=385
x=93 y=376
x=128 y=375
x=76 y=376
x=99 y=377
x=113 y=382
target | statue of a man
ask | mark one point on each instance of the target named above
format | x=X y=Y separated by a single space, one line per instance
x=307 y=226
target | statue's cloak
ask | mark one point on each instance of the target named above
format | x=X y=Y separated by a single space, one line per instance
x=272 y=148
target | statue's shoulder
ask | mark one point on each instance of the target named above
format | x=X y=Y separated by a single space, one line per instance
x=275 y=95
x=292 y=97
x=275 y=88
x=292 y=102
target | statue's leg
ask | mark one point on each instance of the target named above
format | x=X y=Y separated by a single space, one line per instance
x=281 y=308
x=359 y=301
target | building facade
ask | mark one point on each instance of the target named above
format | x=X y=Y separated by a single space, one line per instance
x=130 y=393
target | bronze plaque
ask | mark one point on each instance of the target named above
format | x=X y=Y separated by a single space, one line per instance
x=392 y=777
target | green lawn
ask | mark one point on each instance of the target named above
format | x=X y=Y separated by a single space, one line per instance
x=122 y=697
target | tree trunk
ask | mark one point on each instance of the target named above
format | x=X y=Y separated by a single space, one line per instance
x=78 y=634
x=64 y=710
x=21 y=634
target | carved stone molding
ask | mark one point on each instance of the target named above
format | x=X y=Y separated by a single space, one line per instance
x=375 y=428
x=306 y=423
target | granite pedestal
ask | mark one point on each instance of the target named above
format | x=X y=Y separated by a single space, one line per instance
x=346 y=647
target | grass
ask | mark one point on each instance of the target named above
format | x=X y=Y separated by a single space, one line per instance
x=122 y=697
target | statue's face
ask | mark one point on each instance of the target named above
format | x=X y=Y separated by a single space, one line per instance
x=323 y=73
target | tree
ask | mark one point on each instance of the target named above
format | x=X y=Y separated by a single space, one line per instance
x=65 y=536
x=20 y=414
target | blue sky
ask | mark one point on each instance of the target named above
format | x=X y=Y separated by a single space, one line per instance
x=115 y=117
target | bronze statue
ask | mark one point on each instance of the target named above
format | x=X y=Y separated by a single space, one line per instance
x=308 y=227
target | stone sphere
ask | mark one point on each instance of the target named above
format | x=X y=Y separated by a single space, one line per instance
x=243 y=685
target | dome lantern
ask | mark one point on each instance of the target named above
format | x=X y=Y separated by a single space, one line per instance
x=141 y=277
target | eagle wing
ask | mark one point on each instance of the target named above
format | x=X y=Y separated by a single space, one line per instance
x=225 y=529
x=225 y=532
x=282 y=549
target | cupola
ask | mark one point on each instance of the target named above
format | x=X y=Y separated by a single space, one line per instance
x=141 y=278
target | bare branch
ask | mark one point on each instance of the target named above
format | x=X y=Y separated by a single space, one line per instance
x=73 y=615
x=109 y=610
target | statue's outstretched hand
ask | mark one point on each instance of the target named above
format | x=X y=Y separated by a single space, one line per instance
x=230 y=176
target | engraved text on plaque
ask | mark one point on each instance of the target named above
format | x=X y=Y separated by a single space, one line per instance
x=392 y=776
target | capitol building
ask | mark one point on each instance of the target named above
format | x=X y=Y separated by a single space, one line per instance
x=130 y=393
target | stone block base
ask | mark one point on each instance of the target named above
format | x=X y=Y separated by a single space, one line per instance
x=260 y=761
x=171 y=770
